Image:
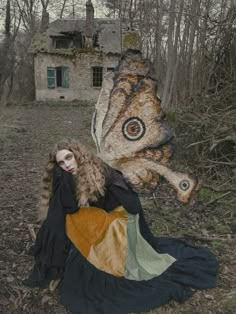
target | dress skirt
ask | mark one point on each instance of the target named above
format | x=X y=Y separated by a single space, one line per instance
x=113 y=269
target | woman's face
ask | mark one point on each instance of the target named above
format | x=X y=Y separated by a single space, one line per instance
x=66 y=160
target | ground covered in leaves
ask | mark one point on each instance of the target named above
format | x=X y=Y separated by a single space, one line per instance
x=27 y=133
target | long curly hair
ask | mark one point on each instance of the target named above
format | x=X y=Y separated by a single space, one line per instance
x=90 y=177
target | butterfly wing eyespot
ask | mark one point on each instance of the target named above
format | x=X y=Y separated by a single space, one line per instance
x=184 y=185
x=133 y=129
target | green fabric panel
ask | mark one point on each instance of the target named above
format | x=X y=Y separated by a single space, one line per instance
x=142 y=261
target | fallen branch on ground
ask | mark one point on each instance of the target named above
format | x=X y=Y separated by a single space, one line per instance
x=31 y=231
x=218 y=189
x=217 y=198
x=204 y=238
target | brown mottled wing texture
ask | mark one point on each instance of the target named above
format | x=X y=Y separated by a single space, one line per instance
x=129 y=129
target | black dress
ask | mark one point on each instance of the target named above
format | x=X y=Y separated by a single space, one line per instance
x=124 y=268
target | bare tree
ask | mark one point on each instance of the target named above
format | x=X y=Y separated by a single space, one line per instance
x=189 y=42
x=7 y=53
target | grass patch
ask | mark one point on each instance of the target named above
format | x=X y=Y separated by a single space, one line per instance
x=206 y=195
x=222 y=229
x=227 y=301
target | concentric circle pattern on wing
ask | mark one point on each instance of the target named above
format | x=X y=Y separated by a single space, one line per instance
x=133 y=129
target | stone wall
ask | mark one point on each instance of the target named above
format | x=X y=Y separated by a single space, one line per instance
x=80 y=75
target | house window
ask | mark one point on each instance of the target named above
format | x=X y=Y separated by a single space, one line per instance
x=97 y=76
x=95 y=40
x=110 y=69
x=58 y=77
x=51 y=77
x=79 y=40
x=63 y=43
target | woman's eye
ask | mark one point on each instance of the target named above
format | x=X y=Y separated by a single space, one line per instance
x=61 y=163
x=69 y=157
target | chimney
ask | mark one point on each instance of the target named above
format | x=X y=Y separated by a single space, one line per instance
x=89 y=19
x=44 y=21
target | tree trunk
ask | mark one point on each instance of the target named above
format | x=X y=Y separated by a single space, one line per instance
x=170 y=60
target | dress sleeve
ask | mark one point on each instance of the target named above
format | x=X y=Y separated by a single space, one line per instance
x=118 y=186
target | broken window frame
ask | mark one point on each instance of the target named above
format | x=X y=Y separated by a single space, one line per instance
x=63 y=43
x=97 y=76
x=68 y=40
x=58 y=77
x=79 y=40
x=111 y=69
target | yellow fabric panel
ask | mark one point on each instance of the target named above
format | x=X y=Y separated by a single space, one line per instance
x=86 y=226
x=109 y=253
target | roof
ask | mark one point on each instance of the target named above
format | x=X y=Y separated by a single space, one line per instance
x=108 y=31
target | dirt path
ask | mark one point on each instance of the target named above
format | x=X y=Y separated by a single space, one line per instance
x=26 y=135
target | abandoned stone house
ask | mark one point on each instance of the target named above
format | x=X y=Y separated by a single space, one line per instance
x=72 y=55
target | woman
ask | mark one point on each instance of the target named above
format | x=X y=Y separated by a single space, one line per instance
x=95 y=239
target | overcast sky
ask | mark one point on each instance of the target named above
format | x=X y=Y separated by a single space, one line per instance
x=99 y=11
